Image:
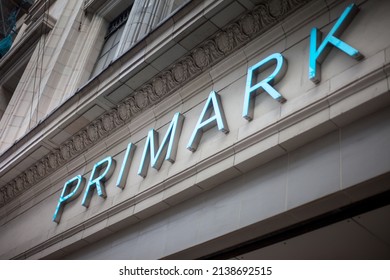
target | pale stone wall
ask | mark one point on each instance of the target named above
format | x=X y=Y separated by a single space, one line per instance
x=64 y=58
x=40 y=88
x=267 y=196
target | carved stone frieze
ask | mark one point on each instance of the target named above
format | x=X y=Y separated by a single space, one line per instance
x=30 y=176
x=19 y=184
x=141 y=98
x=201 y=57
x=278 y=7
x=108 y=121
x=207 y=54
x=92 y=132
x=41 y=169
x=53 y=160
x=2 y=198
x=65 y=152
x=123 y=112
x=159 y=86
x=11 y=189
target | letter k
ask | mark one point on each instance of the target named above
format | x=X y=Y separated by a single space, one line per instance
x=319 y=53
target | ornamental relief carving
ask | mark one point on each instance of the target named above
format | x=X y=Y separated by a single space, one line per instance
x=30 y=176
x=224 y=41
x=149 y=93
x=239 y=37
x=92 y=132
x=10 y=190
x=134 y=109
x=141 y=99
x=192 y=68
x=65 y=151
x=249 y=25
x=85 y=139
x=212 y=50
x=209 y=53
x=201 y=57
x=53 y=161
x=160 y=88
x=263 y=16
x=19 y=184
x=180 y=72
x=78 y=143
x=124 y=111
x=41 y=169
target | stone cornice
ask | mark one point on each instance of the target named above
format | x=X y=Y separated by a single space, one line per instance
x=223 y=43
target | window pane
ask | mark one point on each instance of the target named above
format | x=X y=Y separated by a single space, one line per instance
x=113 y=36
x=110 y=57
x=100 y=64
x=108 y=44
x=118 y=34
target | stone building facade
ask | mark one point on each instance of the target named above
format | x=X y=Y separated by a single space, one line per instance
x=196 y=129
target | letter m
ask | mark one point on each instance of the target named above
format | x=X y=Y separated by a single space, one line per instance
x=168 y=147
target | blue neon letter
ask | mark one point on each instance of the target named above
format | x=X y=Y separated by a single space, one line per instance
x=168 y=149
x=319 y=53
x=206 y=121
x=266 y=84
x=124 y=172
x=68 y=195
x=98 y=182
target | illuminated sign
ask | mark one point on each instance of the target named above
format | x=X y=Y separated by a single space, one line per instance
x=318 y=53
x=212 y=115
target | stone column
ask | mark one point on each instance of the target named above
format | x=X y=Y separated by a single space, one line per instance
x=144 y=15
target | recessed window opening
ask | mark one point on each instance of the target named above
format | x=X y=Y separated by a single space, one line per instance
x=111 y=41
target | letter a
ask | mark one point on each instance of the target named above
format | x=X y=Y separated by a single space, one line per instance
x=168 y=147
x=207 y=120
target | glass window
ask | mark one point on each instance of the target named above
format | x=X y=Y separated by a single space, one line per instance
x=111 y=41
x=149 y=14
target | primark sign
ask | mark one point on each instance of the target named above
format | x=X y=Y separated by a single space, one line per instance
x=212 y=116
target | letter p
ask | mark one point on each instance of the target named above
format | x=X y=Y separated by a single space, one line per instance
x=67 y=195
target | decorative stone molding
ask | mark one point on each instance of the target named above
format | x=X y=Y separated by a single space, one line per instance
x=223 y=43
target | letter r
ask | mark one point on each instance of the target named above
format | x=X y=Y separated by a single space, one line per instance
x=266 y=84
x=318 y=52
